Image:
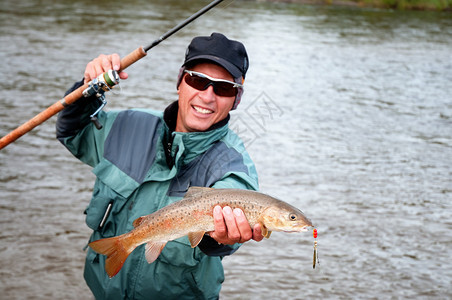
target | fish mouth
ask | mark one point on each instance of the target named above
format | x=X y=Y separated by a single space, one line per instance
x=298 y=229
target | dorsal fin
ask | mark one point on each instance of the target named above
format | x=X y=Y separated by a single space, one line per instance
x=194 y=190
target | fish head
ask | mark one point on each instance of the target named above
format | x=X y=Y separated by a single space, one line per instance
x=284 y=217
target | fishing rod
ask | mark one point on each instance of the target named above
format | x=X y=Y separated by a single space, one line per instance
x=97 y=86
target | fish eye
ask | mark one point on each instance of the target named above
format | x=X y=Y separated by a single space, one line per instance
x=292 y=217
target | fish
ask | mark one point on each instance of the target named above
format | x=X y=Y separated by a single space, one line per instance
x=192 y=216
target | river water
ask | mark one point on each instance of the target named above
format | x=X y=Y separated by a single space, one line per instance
x=347 y=114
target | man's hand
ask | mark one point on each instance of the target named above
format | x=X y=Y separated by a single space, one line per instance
x=102 y=64
x=231 y=226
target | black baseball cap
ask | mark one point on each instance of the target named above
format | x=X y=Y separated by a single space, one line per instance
x=218 y=49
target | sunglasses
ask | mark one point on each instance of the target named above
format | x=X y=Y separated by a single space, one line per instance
x=221 y=87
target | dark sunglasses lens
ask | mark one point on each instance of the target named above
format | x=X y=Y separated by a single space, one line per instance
x=223 y=89
x=197 y=82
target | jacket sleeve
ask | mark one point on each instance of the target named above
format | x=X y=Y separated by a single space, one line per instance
x=76 y=116
x=75 y=130
x=211 y=247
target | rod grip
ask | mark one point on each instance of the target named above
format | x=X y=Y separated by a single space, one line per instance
x=126 y=61
x=30 y=124
x=132 y=57
x=42 y=117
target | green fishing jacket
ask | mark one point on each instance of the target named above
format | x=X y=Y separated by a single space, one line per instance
x=142 y=165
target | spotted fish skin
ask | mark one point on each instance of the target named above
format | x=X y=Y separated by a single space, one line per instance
x=193 y=216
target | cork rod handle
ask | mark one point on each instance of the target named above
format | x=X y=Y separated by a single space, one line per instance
x=58 y=106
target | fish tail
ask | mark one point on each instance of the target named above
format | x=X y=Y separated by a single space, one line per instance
x=116 y=249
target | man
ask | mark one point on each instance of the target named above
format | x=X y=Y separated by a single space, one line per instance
x=145 y=160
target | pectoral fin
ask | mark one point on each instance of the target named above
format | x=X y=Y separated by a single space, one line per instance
x=195 y=238
x=153 y=250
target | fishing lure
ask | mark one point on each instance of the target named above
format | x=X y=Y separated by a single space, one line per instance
x=315 y=259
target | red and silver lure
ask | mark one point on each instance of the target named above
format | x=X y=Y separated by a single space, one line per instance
x=315 y=259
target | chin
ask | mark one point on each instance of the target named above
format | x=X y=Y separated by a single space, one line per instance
x=199 y=128
x=199 y=125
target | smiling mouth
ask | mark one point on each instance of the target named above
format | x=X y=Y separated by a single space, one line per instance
x=202 y=110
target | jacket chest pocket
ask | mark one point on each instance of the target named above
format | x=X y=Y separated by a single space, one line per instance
x=100 y=214
x=106 y=212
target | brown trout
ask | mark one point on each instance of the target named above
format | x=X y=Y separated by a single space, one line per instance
x=193 y=216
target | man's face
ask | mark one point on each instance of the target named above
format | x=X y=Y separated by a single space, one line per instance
x=199 y=110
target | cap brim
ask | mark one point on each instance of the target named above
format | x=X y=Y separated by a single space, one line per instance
x=235 y=72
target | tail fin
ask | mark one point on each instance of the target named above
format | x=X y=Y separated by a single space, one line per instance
x=116 y=249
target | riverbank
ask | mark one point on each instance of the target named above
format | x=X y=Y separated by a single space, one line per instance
x=436 y=5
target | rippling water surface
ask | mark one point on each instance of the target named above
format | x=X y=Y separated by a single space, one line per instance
x=347 y=115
